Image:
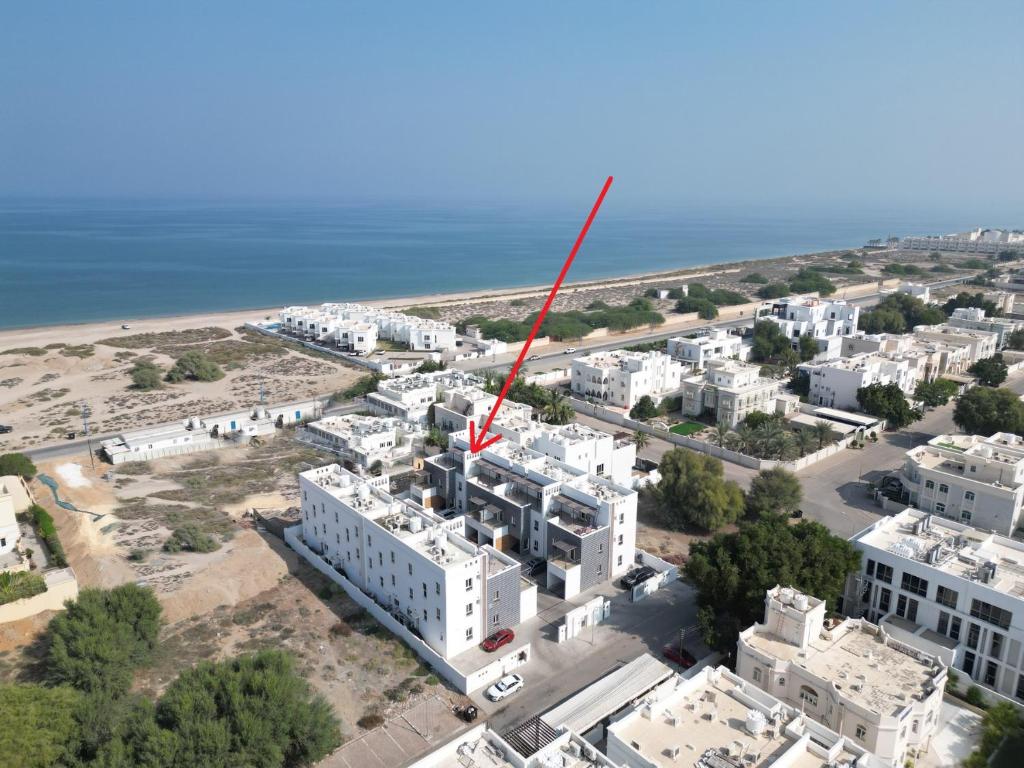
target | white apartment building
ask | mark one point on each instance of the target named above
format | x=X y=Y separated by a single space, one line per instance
x=581 y=447
x=979 y=344
x=467 y=403
x=364 y=440
x=418 y=566
x=879 y=693
x=824 y=320
x=932 y=359
x=355 y=328
x=709 y=344
x=973 y=318
x=517 y=499
x=729 y=390
x=620 y=378
x=951 y=590
x=973 y=479
x=834 y=384
x=988 y=241
x=716 y=719
x=410 y=397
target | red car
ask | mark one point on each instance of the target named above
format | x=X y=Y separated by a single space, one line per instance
x=498 y=639
x=682 y=657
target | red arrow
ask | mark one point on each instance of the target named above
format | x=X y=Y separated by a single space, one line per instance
x=479 y=443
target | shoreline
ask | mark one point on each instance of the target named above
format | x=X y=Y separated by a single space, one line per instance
x=92 y=330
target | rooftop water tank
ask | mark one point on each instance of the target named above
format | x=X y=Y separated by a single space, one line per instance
x=800 y=601
x=786 y=595
x=364 y=491
x=415 y=524
x=756 y=722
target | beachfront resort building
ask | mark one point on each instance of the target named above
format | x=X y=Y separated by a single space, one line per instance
x=981 y=240
x=410 y=397
x=362 y=441
x=949 y=589
x=973 y=318
x=824 y=320
x=970 y=478
x=728 y=390
x=834 y=383
x=355 y=328
x=620 y=378
x=851 y=676
x=416 y=565
x=709 y=344
x=519 y=500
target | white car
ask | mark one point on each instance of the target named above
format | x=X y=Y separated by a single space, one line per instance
x=569 y=350
x=505 y=687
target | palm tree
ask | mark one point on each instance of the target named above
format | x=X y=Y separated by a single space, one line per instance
x=807 y=441
x=823 y=431
x=746 y=439
x=557 y=409
x=789 y=448
x=641 y=439
x=770 y=436
x=721 y=433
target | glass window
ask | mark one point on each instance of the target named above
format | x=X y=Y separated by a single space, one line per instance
x=870 y=570
x=943 y=488
x=861 y=732
x=469 y=609
x=943 y=626
x=884 y=573
x=996 y=648
x=929 y=484
x=915 y=584
x=757 y=674
x=954 y=628
x=469 y=585
x=969 y=496
x=968 y=665
x=883 y=600
x=940 y=507
x=990 y=673
x=809 y=695
x=946 y=596
x=991 y=614
x=973 y=633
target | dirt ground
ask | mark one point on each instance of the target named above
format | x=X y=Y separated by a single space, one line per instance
x=44 y=386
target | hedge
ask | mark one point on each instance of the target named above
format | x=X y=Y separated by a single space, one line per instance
x=48 y=533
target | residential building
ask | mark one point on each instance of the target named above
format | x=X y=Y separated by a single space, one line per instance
x=709 y=344
x=979 y=344
x=355 y=328
x=620 y=378
x=949 y=589
x=986 y=241
x=10 y=532
x=851 y=676
x=976 y=480
x=549 y=748
x=517 y=499
x=581 y=447
x=716 y=719
x=973 y=318
x=365 y=440
x=931 y=359
x=417 y=565
x=409 y=397
x=729 y=390
x=460 y=405
x=834 y=384
x=824 y=320
x=917 y=290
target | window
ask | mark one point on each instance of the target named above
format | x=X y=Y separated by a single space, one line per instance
x=410 y=593
x=929 y=484
x=621 y=539
x=870 y=569
x=424 y=589
x=600 y=569
x=990 y=673
x=619 y=561
x=600 y=548
x=860 y=733
x=757 y=674
x=946 y=596
x=969 y=496
x=599 y=470
x=965 y=515
x=495 y=620
x=915 y=584
x=469 y=585
x=809 y=696
x=968 y=665
x=943 y=488
x=469 y=609
x=410 y=569
x=991 y=614
x=437 y=587
x=884 y=596
x=884 y=573
x=973 y=632
x=437 y=612
x=536 y=525
x=380 y=559
x=954 y=628
x=424 y=614
x=943 y=626
x=940 y=507
x=393 y=580
x=469 y=633
x=392 y=556
x=996 y=648
x=1020 y=687
x=906 y=607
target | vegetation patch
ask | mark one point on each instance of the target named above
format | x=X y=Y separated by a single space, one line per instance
x=30 y=351
x=78 y=350
x=48 y=533
x=190 y=538
x=18 y=585
x=164 y=338
x=686 y=428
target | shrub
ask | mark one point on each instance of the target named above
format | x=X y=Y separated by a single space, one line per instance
x=644 y=409
x=194 y=365
x=370 y=720
x=190 y=538
x=48 y=533
x=974 y=696
x=773 y=291
x=146 y=375
x=17 y=464
x=363 y=386
x=17 y=585
x=755 y=277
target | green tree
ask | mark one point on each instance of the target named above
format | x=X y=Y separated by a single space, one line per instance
x=194 y=365
x=809 y=281
x=733 y=571
x=722 y=431
x=984 y=411
x=430 y=366
x=773 y=492
x=899 y=312
x=1015 y=340
x=807 y=348
x=823 y=433
x=17 y=464
x=990 y=371
x=252 y=710
x=641 y=439
x=97 y=643
x=756 y=419
x=771 y=345
x=363 y=386
x=935 y=393
x=146 y=375
x=806 y=441
x=887 y=401
x=705 y=309
x=773 y=291
x=967 y=299
x=37 y=725
x=694 y=492
x=755 y=277
x=644 y=409
x=557 y=409
x=436 y=438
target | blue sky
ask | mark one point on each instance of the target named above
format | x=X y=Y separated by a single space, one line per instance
x=887 y=104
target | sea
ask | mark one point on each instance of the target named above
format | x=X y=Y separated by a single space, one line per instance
x=67 y=262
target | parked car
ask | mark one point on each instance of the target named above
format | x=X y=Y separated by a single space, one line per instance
x=637 y=576
x=498 y=639
x=4 y=429
x=533 y=357
x=125 y=326
x=679 y=656
x=568 y=350
x=533 y=565
x=505 y=687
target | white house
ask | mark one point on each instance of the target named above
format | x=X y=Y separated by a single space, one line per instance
x=979 y=344
x=10 y=532
x=824 y=320
x=834 y=384
x=879 y=693
x=949 y=589
x=364 y=440
x=973 y=318
x=620 y=378
x=410 y=397
x=355 y=328
x=709 y=344
x=973 y=479
x=729 y=390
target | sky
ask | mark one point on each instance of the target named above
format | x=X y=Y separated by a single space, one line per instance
x=885 y=104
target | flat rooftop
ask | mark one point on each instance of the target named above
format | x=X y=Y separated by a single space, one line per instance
x=870 y=673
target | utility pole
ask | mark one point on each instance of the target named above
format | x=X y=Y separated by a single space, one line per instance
x=86 y=411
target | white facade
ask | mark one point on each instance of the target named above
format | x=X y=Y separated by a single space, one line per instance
x=413 y=563
x=834 y=384
x=989 y=241
x=949 y=589
x=713 y=344
x=973 y=318
x=355 y=328
x=364 y=440
x=917 y=290
x=730 y=390
x=979 y=344
x=879 y=693
x=620 y=378
x=824 y=320
x=973 y=479
x=10 y=533
x=410 y=397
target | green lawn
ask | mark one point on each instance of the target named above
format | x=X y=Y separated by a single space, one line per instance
x=686 y=428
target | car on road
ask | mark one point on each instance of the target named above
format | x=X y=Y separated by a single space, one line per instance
x=4 y=429
x=568 y=350
x=498 y=639
x=637 y=576
x=70 y=435
x=533 y=357
x=533 y=565
x=505 y=687
x=679 y=656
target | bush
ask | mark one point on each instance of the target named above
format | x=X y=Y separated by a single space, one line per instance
x=146 y=376
x=190 y=538
x=17 y=464
x=363 y=386
x=644 y=409
x=194 y=366
x=48 y=533
x=773 y=291
x=755 y=277
x=704 y=308
x=37 y=725
x=809 y=281
x=370 y=720
x=974 y=696
x=430 y=366
x=17 y=585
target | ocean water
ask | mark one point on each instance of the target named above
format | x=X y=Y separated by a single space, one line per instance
x=72 y=262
